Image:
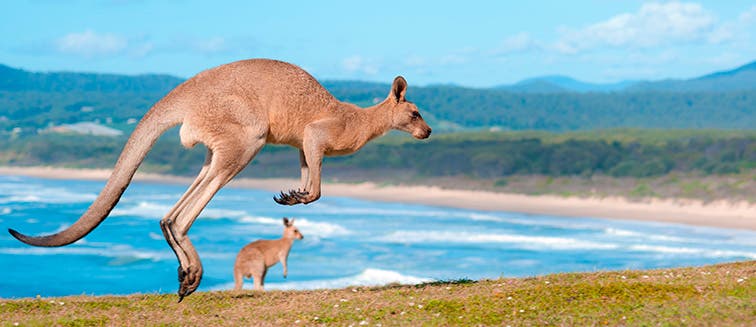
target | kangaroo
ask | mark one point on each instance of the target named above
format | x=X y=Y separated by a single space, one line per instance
x=234 y=110
x=255 y=258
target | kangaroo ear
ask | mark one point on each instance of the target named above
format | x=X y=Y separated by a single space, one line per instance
x=398 y=89
x=286 y=222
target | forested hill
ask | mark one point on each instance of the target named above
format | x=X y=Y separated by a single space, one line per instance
x=30 y=101
x=17 y=80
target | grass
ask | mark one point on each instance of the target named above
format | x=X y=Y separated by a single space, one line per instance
x=719 y=295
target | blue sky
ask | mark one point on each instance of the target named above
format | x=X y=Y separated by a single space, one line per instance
x=471 y=43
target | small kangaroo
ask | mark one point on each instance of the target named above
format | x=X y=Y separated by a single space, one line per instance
x=255 y=258
x=235 y=109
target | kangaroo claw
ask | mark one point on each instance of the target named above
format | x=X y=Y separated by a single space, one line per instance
x=291 y=198
x=189 y=280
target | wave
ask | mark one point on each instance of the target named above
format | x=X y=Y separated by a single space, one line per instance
x=693 y=251
x=554 y=243
x=214 y=213
x=121 y=254
x=40 y=194
x=632 y=234
x=529 y=220
x=307 y=227
x=147 y=209
x=143 y=209
x=368 y=277
x=323 y=208
x=528 y=242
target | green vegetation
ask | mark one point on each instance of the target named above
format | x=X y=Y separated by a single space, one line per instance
x=703 y=164
x=478 y=155
x=721 y=295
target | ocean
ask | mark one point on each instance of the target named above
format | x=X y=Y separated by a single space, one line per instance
x=348 y=242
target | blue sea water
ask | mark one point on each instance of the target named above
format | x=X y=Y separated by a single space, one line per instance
x=347 y=241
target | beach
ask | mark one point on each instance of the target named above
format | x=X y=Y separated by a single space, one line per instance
x=722 y=213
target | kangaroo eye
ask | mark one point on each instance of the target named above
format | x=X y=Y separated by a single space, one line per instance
x=415 y=115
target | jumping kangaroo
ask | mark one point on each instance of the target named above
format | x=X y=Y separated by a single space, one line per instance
x=255 y=258
x=235 y=109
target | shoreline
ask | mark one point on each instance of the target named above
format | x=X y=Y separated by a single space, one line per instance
x=722 y=214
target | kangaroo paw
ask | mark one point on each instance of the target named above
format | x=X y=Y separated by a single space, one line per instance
x=189 y=280
x=291 y=198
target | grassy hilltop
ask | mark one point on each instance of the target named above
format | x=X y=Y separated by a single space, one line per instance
x=719 y=295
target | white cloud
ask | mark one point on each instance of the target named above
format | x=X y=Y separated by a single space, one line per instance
x=358 y=64
x=415 y=61
x=519 y=42
x=211 y=45
x=142 y=50
x=748 y=16
x=453 y=59
x=652 y=25
x=91 y=44
x=208 y=45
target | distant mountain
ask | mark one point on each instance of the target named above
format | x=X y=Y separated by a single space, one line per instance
x=13 y=79
x=559 y=83
x=738 y=79
x=33 y=101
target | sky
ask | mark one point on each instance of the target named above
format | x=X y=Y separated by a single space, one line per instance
x=469 y=43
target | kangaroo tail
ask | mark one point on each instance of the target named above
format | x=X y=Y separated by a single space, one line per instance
x=138 y=145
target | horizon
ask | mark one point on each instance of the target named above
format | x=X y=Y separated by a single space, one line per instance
x=478 y=46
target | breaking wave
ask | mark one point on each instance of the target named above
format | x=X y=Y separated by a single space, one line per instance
x=528 y=242
x=121 y=254
x=308 y=227
x=368 y=277
x=31 y=193
x=709 y=253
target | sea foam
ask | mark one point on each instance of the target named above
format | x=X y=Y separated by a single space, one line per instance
x=45 y=195
x=523 y=241
x=368 y=277
x=308 y=227
x=114 y=251
x=711 y=253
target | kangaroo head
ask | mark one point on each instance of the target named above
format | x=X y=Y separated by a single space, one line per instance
x=290 y=231
x=404 y=114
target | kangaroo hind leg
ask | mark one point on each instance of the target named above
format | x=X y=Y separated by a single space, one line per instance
x=225 y=160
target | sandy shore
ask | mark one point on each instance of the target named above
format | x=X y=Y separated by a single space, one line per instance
x=716 y=214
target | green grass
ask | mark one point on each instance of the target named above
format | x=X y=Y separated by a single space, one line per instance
x=719 y=295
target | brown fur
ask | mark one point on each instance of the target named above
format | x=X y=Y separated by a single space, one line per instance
x=235 y=109
x=255 y=258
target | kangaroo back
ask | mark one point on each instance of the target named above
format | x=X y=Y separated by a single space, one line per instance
x=149 y=129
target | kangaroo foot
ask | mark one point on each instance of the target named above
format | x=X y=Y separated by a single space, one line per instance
x=189 y=280
x=291 y=198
